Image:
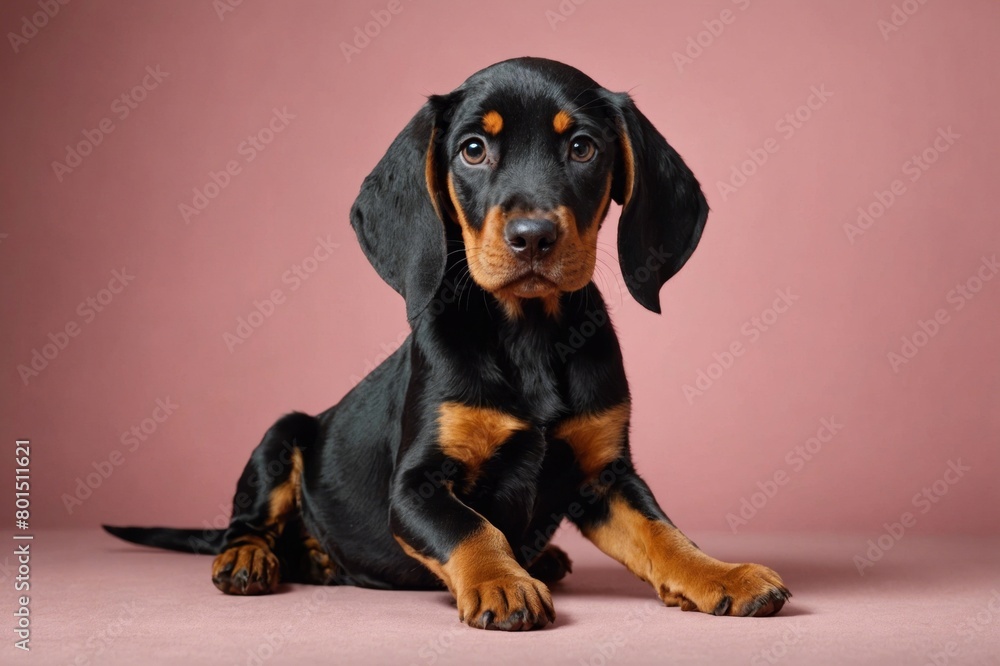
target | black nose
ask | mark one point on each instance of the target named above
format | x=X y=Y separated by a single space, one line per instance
x=529 y=237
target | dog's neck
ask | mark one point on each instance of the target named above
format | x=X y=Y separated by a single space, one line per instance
x=480 y=354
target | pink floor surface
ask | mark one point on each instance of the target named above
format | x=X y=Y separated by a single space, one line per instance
x=96 y=600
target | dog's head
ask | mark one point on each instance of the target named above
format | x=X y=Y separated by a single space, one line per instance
x=525 y=158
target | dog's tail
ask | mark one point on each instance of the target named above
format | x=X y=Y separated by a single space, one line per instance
x=206 y=542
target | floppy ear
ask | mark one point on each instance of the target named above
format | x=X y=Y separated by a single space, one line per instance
x=396 y=216
x=663 y=208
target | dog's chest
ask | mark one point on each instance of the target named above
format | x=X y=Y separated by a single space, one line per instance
x=502 y=447
x=534 y=376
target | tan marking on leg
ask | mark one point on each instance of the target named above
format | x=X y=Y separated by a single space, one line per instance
x=248 y=564
x=483 y=576
x=287 y=495
x=253 y=540
x=597 y=439
x=432 y=564
x=660 y=554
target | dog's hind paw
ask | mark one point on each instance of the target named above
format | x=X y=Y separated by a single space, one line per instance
x=246 y=568
x=551 y=566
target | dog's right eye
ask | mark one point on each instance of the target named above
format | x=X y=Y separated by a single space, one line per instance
x=582 y=149
x=474 y=151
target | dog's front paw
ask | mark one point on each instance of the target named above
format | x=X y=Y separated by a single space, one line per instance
x=742 y=590
x=511 y=603
x=246 y=569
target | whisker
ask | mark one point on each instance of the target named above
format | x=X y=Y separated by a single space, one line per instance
x=612 y=281
x=458 y=285
x=582 y=92
x=593 y=102
x=466 y=283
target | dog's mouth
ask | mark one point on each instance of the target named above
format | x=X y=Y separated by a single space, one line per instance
x=542 y=278
x=531 y=284
x=511 y=258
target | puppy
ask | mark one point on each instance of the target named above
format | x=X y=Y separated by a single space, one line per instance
x=506 y=410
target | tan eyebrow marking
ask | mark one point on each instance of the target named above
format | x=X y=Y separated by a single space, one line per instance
x=562 y=121
x=493 y=123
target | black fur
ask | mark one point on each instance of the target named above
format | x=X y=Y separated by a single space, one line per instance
x=372 y=468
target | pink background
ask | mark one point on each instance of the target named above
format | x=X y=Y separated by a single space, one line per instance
x=783 y=229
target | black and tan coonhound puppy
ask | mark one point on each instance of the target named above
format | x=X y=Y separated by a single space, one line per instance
x=506 y=410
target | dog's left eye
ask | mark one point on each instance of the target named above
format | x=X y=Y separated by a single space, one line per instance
x=474 y=151
x=582 y=149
